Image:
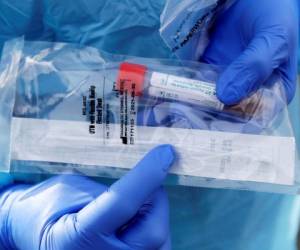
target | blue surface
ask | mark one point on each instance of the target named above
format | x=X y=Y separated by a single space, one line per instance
x=200 y=218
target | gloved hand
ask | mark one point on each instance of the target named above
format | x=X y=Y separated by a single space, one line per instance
x=73 y=212
x=255 y=38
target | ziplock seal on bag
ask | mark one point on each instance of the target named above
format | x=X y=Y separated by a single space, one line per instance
x=185 y=25
x=80 y=110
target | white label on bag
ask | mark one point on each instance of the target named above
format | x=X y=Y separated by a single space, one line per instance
x=220 y=155
x=204 y=92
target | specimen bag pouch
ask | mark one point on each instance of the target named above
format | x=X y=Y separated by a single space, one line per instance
x=66 y=108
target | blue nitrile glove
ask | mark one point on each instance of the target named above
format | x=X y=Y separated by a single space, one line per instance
x=73 y=212
x=255 y=38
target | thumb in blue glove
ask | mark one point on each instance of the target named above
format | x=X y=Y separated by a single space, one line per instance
x=255 y=38
x=73 y=212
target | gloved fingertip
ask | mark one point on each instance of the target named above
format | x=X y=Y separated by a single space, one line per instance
x=229 y=96
x=165 y=154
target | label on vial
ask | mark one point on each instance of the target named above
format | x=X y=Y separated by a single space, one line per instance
x=183 y=97
x=185 y=89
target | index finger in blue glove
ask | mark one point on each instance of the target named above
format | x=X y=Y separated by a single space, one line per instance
x=273 y=46
x=123 y=199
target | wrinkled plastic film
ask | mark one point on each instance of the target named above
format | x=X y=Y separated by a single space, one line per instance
x=9 y=66
x=81 y=110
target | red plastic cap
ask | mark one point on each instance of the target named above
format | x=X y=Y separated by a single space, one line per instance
x=131 y=78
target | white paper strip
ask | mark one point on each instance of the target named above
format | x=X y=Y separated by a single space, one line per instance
x=201 y=153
